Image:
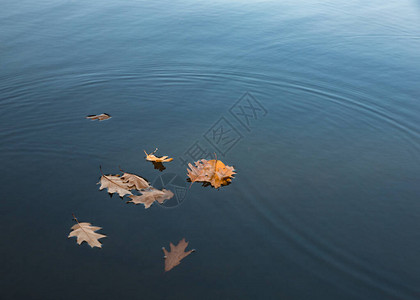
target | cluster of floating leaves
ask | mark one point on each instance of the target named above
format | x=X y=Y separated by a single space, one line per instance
x=210 y=172
x=126 y=183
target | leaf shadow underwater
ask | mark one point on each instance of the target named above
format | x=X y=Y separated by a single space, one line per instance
x=158 y=165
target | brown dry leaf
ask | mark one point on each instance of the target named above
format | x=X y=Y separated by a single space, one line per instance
x=115 y=184
x=134 y=181
x=85 y=232
x=152 y=157
x=150 y=196
x=173 y=258
x=100 y=117
x=212 y=171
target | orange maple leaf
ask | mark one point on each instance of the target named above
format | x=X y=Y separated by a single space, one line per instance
x=212 y=171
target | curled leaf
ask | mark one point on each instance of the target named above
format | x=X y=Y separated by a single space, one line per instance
x=152 y=157
x=100 y=117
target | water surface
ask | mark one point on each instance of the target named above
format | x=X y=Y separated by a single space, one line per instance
x=325 y=204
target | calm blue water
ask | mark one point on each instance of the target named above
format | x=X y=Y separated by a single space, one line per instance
x=326 y=201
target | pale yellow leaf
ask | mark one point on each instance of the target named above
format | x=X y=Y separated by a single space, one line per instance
x=86 y=233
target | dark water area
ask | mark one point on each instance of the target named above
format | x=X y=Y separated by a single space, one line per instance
x=326 y=200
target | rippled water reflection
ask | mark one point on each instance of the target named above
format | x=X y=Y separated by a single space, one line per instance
x=325 y=204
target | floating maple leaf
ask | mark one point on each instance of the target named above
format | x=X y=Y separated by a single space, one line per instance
x=212 y=171
x=153 y=158
x=122 y=184
x=115 y=184
x=85 y=232
x=150 y=196
x=173 y=258
x=100 y=117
